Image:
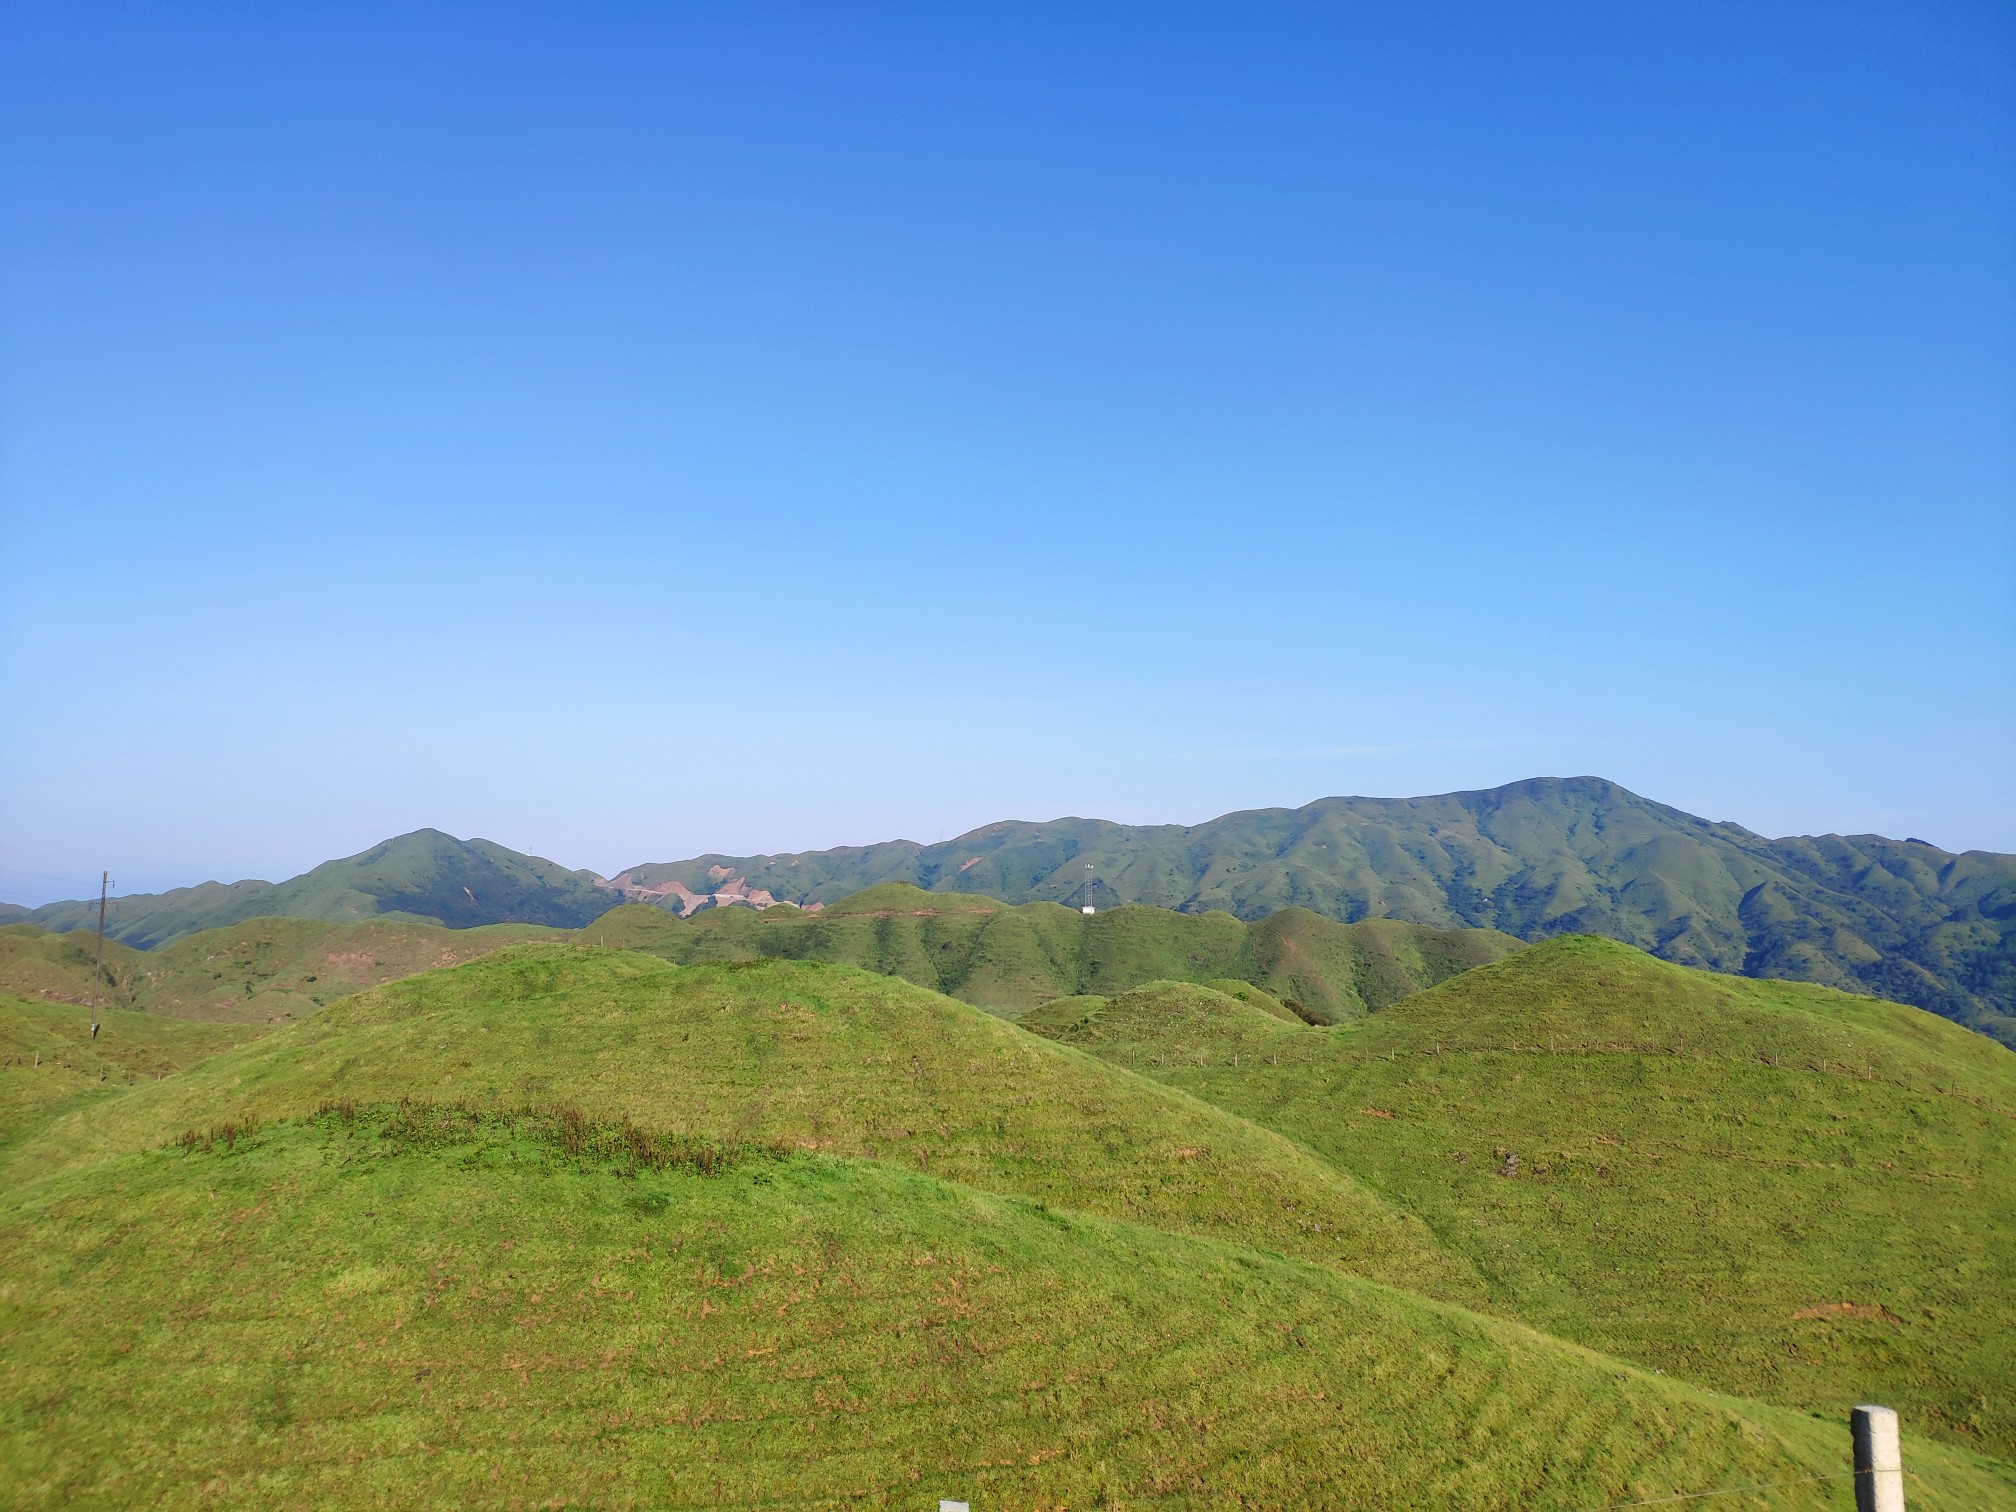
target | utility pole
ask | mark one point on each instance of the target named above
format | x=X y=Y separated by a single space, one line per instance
x=1879 y=1466
x=98 y=965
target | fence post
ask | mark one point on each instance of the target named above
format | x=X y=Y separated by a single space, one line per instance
x=1879 y=1461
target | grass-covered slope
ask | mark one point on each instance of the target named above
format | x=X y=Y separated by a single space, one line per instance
x=1004 y=959
x=50 y=1063
x=260 y=971
x=827 y=1058
x=1899 y=918
x=1010 y=959
x=59 y=967
x=424 y=1309
x=1770 y=1188
x=1158 y=1022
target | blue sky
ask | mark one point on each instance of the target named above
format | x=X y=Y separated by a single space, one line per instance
x=623 y=431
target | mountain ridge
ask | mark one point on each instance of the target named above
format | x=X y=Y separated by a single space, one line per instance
x=426 y=876
x=1545 y=856
x=1903 y=920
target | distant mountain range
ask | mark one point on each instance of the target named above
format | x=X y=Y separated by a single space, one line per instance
x=1898 y=919
x=426 y=877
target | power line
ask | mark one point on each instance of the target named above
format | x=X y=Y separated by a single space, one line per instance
x=16 y=871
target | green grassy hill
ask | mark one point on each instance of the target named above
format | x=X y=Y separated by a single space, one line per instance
x=827 y=1059
x=49 y=1062
x=418 y=1307
x=1158 y=1020
x=576 y=1225
x=263 y=970
x=1004 y=959
x=1010 y=959
x=58 y=967
x=1898 y=918
x=1769 y=1188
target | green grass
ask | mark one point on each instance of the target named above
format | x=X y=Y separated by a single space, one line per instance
x=829 y=1059
x=49 y=1062
x=58 y=967
x=577 y=1226
x=1008 y=960
x=260 y=971
x=1158 y=1014
x=1004 y=959
x=1706 y=1167
x=421 y=1307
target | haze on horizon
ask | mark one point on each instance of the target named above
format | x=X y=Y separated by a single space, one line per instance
x=625 y=434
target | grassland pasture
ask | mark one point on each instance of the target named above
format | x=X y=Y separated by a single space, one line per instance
x=1771 y=1188
x=421 y=1306
x=573 y=1224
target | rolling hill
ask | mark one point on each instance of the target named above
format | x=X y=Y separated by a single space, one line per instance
x=1007 y=959
x=49 y=1063
x=1000 y=958
x=260 y=971
x=417 y=1306
x=570 y=1225
x=1897 y=919
x=825 y=1058
x=1769 y=1188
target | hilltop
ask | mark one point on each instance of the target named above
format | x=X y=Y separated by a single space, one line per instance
x=825 y=1058
x=260 y=971
x=573 y=1223
x=425 y=877
x=1770 y=1188
x=1004 y=959
x=1008 y=959
x=1898 y=919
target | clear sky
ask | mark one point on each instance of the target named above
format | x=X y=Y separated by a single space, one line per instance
x=623 y=431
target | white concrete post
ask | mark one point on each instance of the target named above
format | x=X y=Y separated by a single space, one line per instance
x=952 y=1506
x=1879 y=1461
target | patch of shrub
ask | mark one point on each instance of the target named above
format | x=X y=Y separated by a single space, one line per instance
x=576 y=1136
x=227 y=1133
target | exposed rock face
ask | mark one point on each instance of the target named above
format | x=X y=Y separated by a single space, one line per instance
x=676 y=897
